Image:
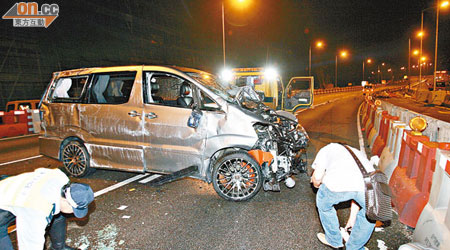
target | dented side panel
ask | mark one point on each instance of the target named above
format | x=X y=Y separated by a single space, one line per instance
x=170 y=145
x=125 y=137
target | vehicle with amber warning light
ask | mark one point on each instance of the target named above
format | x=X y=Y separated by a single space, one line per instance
x=171 y=121
x=298 y=94
x=367 y=89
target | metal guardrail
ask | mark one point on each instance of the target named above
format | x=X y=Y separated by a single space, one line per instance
x=337 y=90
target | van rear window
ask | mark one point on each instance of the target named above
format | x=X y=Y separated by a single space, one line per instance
x=112 y=88
x=69 y=89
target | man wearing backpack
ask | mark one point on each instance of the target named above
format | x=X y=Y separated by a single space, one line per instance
x=339 y=179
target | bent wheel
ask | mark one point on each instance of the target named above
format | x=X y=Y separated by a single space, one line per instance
x=237 y=176
x=75 y=159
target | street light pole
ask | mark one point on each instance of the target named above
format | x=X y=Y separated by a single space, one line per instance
x=421 y=38
x=335 y=73
x=409 y=63
x=436 y=45
x=223 y=34
x=309 y=68
x=363 y=70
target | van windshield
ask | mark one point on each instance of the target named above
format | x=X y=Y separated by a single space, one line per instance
x=221 y=89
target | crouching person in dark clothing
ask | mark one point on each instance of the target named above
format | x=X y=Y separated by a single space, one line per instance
x=36 y=200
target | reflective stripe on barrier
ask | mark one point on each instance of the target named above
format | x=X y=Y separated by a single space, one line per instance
x=36 y=120
x=30 y=121
x=433 y=227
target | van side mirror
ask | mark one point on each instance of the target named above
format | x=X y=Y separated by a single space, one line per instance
x=195 y=117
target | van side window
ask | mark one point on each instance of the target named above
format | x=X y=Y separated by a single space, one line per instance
x=69 y=89
x=112 y=88
x=206 y=103
x=169 y=90
x=24 y=106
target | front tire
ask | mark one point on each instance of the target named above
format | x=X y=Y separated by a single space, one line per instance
x=75 y=159
x=237 y=176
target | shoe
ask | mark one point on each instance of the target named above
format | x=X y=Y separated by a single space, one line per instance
x=323 y=240
x=66 y=247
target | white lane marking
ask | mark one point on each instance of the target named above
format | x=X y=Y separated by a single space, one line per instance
x=361 y=139
x=29 y=158
x=148 y=179
x=118 y=185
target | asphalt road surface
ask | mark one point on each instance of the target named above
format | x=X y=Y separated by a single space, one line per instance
x=188 y=214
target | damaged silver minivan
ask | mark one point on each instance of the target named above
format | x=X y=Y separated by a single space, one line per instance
x=172 y=121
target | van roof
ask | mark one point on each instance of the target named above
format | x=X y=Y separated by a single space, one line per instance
x=85 y=71
x=17 y=101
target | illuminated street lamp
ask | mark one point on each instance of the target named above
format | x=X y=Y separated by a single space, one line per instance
x=319 y=45
x=369 y=61
x=440 y=4
x=342 y=54
x=223 y=27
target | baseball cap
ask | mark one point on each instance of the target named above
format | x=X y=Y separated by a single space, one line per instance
x=79 y=197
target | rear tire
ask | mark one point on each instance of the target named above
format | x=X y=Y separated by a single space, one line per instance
x=237 y=176
x=76 y=159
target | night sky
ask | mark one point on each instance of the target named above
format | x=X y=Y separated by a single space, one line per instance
x=376 y=29
x=279 y=32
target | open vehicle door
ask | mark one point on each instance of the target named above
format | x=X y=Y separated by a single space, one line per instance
x=299 y=93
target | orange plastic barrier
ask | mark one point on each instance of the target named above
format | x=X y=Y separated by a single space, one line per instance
x=411 y=180
x=14 y=123
x=381 y=139
x=370 y=107
x=433 y=227
x=8 y=130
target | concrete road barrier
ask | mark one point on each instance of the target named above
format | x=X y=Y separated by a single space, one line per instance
x=446 y=102
x=436 y=97
x=437 y=130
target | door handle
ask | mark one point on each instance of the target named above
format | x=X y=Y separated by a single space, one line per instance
x=133 y=113
x=151 y=115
